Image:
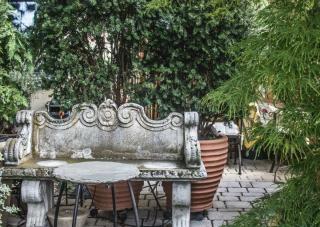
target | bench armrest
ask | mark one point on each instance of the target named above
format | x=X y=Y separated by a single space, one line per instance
x=17 y=149
x=192 y=151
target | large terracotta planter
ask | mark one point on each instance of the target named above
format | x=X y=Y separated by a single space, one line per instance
x=214 y=156
x=102 y=197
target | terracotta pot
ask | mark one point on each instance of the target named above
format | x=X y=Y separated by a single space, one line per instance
x=214 y=156
x=102 y=196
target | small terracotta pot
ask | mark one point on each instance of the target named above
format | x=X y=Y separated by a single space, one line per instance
x=102 y=196
x=214 y=156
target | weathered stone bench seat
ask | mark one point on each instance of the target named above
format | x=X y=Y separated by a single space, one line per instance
x=166 y=149
x=158 y=170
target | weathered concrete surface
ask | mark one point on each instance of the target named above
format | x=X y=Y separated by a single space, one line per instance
x=38 y=195
x=96 y=172
x=39 y=99
x=106 y=133
x=157 y=170
x=110 y=133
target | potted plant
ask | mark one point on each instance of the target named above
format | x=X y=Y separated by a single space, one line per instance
x=214 y=153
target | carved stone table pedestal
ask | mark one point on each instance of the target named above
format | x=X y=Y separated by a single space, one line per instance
x=38 y=195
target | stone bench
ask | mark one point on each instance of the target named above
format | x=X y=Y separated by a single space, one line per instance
x=165 y=149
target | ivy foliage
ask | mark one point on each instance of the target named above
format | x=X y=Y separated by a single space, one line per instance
x=168 y=53
x=87 y=48
x=15 y=61
x=281 y=58
x=186 y=51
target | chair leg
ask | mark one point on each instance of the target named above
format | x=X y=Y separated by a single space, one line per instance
x=235 y=146
x=154 y=194
x=134 y=205
x=81 y=197
x=76 y=206
x=240 y=159
x=66 y=193
x=56 y=214
x=115 y=216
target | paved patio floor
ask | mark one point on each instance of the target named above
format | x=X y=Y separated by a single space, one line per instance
x=235 y=195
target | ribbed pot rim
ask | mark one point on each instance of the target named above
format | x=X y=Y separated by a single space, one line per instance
x=221 y=164
x=200 y=197
x=211 y=183
x=204 y=191
x=213 y=147
x=214 y=169
x=213 y=178
x=214 y=141
x=217 y=152
x=203 y=198
x=200 y=187
x=214 y=158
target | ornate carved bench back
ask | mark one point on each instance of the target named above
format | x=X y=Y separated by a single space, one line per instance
x=108 y=133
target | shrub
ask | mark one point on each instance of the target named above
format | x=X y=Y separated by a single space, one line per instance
x=15 y=61
x=281 y=58
x=167 y=53
x=186 y=48
x=86 y=48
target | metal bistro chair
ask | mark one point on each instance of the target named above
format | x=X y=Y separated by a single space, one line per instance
x=95 y=172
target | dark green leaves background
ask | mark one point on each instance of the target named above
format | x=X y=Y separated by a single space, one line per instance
x=168 y=53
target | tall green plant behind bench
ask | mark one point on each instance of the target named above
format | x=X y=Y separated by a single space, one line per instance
x=281 y=57
x=87 y=48
x=186 y=50
x=168 y=53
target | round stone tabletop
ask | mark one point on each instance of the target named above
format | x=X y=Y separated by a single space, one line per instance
x=96 y=172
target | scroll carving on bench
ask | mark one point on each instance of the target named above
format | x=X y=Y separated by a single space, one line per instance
x=110 y=133
x=166 y=149
x=17 y=149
